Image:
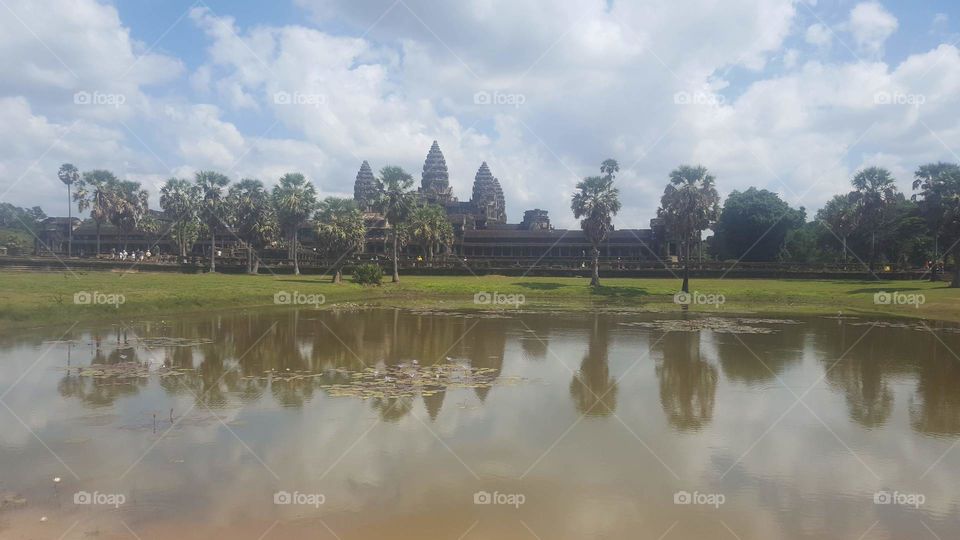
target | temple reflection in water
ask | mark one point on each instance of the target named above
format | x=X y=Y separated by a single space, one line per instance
x=228 y=360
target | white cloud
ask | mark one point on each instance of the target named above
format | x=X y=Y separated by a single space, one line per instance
x=597 y=81
x=871 y=24
x=818 y=34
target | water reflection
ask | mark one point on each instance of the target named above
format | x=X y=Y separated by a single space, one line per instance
x=888 y=393
x=688 y=383
x=593 y=388
x=935 y=407
x=225 y=358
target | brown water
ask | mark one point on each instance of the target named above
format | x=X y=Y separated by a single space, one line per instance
x=577 y=425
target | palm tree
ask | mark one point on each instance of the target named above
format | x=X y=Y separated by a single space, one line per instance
x=690 y=204
x=69 y=174
x=212 y=208
x=180 y=200
x=840 y=217
x=130 y=207
x=96 y=191
x=874 y=193
x=341 y=229
x=294 y=200
x=596 y=202
x=939 y=201
x=253 y=217
x=396 y=199
x=428 y=225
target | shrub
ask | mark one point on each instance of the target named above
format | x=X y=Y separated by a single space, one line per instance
x=368 y=274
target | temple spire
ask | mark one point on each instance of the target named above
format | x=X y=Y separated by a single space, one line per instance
x=365 y=187
x=488 y=196
x=435 y=180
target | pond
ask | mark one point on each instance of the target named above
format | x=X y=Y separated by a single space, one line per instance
x=362 y=424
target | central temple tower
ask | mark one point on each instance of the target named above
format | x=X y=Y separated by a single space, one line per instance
x=435 y=180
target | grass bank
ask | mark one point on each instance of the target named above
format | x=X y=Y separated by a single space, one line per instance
x=39 y=298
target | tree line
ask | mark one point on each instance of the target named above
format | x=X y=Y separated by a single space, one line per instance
x=209 y=205
x=874 y=219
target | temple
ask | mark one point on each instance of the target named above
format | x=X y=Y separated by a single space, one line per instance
x=481 y=228
x=483 y=238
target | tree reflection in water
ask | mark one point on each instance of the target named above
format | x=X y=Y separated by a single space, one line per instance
x=294 y=356
x=688 y=384
x=593 y=390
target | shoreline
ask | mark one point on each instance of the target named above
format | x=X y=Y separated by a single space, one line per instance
x=34 y=300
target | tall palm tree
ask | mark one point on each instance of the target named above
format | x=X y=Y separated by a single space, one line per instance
x=341 y=230
x=596 y=202
x=689 y=205
x=253 y=216
x=294 y=199
x=69 y=175
x=428 y=226
x=130 y=207
x=212 y=206
x=96 y=191
x=874 y=193
x=396 y=199
x=180 y=200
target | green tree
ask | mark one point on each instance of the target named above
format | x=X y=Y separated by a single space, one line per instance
x=939 y=202
x=294 y=200
x=753 y=225
x=129 y=208
x=25 y=219
x=212 y=208
x=395 y=200
x=180 y=201
x=253 y=216
x=594 y=204
x=429 y=227
x=341 y=231
x=873 y=195
x=69 y=175
x=840 y=216
x=690 y=204
x=800 y=244
x=97 y=192
x=904 y=234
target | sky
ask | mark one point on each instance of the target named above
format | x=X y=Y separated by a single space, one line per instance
x=793 y=96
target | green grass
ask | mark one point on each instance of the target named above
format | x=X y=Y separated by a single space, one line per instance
x=39 y=298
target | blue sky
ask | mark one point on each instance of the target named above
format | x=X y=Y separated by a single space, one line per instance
x=788 y=95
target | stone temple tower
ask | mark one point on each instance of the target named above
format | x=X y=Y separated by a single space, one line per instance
x=435 y=181
x=365 y=188
x=488 y=196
